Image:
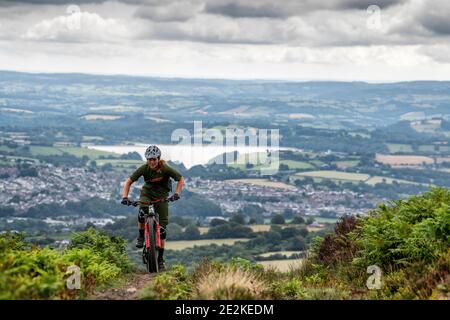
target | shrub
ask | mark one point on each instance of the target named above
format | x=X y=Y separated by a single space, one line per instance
x=31 y=272
x=112 y=249
x=171 y=285
x=338 y=247
x=415 y=229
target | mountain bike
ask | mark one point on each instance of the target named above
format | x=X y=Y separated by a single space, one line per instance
x=152 y=234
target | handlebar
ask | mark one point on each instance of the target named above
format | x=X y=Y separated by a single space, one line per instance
x=136 y=203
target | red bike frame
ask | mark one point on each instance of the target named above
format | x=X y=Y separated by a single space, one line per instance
x=147 y=237
x=158 y=229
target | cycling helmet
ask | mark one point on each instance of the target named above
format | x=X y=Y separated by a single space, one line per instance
x=152 y=152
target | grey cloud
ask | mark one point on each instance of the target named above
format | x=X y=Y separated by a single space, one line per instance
x=290 y=22
x=364 y=4
x=237 y=10
x=47 y=2
x=435 y=18
x=288 y=8
x=169 y=12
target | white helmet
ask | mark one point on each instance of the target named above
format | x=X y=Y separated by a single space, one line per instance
x=152 y=152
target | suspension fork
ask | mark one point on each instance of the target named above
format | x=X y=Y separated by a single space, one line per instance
x=158 y=234
x=147 y=235
x=152 y=220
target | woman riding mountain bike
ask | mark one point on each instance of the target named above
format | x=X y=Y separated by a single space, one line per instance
x=157 y=174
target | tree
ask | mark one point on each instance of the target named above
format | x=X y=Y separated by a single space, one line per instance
x=238 y=218
x=277 y=219
x=217 y=222
x=191 y=233
x=297 y=244
x=298 y=220
x=175 y=231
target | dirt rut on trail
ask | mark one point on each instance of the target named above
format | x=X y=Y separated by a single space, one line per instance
x=126 y=292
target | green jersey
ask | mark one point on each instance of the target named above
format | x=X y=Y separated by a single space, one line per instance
x=157 y=182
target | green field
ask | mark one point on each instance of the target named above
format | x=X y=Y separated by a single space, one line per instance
x=75 y=151
x=317 y=163
x=346 y=163
x=180 y=245
x=426 y=148
x=297 y=164
x=260 y=227
x=397 y=147
x=326 y=220
x=6 y=148
x=338 y=176
x=91 y=153
x=376 y=179
x=92 y=138
x=45 y=151
x=334 y=175
x=258 y=161
x=120 y=163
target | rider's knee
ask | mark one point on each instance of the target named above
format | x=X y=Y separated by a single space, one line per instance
x=162 y=233
x=142 y=213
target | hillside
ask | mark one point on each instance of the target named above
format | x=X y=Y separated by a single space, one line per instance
x=87 y=101
x=405 y=242
x=408 y=241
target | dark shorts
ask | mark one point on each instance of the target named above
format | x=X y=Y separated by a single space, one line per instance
x=161 y=208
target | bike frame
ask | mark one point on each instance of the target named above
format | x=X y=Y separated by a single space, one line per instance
x=152 y=219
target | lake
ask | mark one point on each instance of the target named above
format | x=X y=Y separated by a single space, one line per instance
x=189 y=155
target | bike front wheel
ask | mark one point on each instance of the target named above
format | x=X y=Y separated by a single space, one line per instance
x=152 y=261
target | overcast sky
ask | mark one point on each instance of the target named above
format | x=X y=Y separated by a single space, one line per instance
x=238 y=39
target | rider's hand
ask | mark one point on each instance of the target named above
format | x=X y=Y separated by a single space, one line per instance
x=125 y=201
x=175 y=197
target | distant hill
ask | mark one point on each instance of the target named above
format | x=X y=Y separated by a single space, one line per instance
x=82 y=98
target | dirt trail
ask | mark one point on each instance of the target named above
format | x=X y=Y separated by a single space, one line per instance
x=126 y=292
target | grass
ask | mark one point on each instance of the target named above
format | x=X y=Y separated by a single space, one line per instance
x=91 y=153
x=292 y=164
x=426 y=148
x=346 y=164
x=260 y=227
x=203 y=230
x=325 y=220
x=75 y=151
x=180 y=245
x=284 y=265
x=376 y=179
x=45 y=151
x=317 y=163
x=120 y=163
x=92 y=138
x=6 y=148
x=397 y=147
x=335 y=175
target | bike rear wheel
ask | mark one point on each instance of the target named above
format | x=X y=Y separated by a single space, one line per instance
x=152 y=261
